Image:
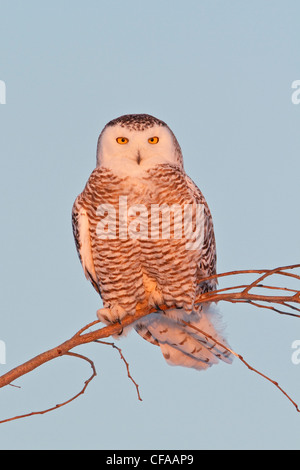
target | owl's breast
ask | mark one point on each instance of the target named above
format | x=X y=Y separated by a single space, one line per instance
x=136 y=230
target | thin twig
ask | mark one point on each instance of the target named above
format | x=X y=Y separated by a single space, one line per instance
x=86 y=383
x=244 y=362
x=263 y=286
x=269 y=307
x=256 y=271
x=125 y=362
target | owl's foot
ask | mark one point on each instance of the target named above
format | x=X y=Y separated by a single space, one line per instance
x=111 y=315
x=104 y=315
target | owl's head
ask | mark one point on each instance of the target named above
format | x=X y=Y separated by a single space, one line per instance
x=134 y=143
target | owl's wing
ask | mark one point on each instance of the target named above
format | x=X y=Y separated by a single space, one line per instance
x=81 y=232
x=208 y=253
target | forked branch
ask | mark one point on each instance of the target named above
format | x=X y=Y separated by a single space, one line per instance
x=286 y=302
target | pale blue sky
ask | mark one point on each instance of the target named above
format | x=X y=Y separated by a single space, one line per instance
x=220 y=74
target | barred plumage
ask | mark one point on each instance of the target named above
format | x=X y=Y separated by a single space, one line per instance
x=123 y=251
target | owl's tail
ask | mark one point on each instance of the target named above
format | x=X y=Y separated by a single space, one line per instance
x=182 y=345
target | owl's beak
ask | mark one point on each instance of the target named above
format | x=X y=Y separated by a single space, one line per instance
x=138 y=158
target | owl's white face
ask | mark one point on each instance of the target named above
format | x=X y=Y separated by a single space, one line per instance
x=128 y=151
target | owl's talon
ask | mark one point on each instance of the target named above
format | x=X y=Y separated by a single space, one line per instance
x=119 y=321
x=159 y=308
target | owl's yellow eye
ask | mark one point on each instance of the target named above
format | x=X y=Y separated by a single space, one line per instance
x=122 y=140
x=153 y=140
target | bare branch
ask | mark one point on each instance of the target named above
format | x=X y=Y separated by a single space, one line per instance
x=86 y=383
x=125 y=362
x=289 y=298
x=244 y=362
x=292 y=295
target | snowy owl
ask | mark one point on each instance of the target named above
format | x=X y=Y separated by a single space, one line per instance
x=144 y=234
